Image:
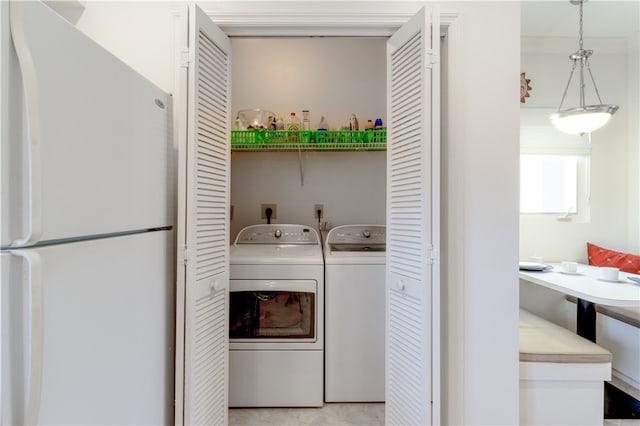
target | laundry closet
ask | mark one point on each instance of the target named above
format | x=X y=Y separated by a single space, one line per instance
x=410 y=69
x=332 y=77
x=277 y=290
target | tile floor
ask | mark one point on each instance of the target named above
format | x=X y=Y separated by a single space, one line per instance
x=369 y=414
x=332 y=414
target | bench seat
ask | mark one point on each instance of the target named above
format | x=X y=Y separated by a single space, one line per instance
x=561 y=375
x=543 y=341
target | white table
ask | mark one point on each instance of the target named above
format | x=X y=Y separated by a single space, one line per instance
x=589 y=289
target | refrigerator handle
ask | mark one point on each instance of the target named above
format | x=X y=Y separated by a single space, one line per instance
x=29 y=80
x=34 y=352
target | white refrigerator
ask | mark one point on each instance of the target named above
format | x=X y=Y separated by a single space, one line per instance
x=87 y=258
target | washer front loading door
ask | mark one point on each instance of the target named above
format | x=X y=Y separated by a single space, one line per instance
x=267 y=312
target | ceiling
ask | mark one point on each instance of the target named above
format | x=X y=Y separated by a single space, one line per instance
x=559 y=18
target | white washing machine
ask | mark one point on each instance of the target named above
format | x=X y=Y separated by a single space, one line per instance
x=355 y=313
x=276 y=317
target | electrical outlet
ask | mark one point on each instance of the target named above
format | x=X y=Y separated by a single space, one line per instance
x=317 y=207
x=263 y=211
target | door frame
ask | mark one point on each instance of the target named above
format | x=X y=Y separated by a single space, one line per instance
x=381 y=19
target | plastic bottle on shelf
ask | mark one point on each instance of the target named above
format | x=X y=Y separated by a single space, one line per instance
x=379 y=136
x=321 y=135
x=369 y=125
x=279 y=123
x=293 y=123
x=305 y=120
x=238 y=124
x=323 y=125
x=353 y=123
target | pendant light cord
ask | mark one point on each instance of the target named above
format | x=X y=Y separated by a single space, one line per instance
x=566 y=89
x=582 y=56
x=580 y=33
x=585 y=59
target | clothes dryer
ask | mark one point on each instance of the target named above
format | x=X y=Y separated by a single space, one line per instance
x=355 y=313
x=276 y=317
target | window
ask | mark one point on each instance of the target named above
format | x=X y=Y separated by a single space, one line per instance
x=548 y=183
x=554 y=170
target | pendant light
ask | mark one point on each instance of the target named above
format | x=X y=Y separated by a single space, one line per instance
x=584 y=118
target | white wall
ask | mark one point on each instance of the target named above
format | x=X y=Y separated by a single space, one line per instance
x=482 y=166
x=613 y=219
x=633 y=126
x=138 y=32
x=331 y=77
x=351 y=185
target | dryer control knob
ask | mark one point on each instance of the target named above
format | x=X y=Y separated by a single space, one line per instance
x=277 y=233
x=366 y=233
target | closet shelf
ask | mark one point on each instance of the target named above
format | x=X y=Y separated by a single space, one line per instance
x=304 y=140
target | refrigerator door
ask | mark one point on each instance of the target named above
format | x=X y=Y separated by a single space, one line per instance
x=86 y=149
x=87 y=332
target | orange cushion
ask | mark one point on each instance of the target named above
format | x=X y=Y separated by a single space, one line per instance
x=599 y=256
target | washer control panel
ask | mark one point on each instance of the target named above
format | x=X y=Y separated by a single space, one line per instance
x=277 y=234
x=358 y=238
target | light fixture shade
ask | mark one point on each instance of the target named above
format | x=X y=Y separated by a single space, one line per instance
x=577 y=121
x=584 y=118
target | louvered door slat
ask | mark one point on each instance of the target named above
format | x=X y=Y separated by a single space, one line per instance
x=409 y=222
x=207 y=271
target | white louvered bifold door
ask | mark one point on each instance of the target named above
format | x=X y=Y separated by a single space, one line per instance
x=207 y=239
x=412 y=371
